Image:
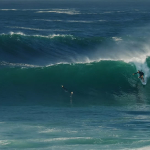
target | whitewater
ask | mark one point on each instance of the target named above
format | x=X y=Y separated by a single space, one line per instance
x=92 y=51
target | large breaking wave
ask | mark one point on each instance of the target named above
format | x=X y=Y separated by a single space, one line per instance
x=105 y=82
x=97 y=69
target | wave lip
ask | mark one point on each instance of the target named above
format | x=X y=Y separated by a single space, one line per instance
x=42 y=36
x=3 y=63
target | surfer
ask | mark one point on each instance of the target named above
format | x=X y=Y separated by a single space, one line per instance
x=66 y=90
x=141 y=74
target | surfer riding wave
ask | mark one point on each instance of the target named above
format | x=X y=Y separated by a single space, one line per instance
x=141 y=75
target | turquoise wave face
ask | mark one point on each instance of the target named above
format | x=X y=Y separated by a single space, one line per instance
x=105 y=82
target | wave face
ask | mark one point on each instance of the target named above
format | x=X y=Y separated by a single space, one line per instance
x=99 y=83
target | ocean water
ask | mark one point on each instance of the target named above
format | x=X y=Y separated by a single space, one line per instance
x=92 y=48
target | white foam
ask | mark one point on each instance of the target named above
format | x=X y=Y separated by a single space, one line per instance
x=66 y=138
x=49 y=130
x=35 y=29
x=19 y=65
x=117 y=38
x=8 y=9
x=42 y=36
x=54 y=35
x=74 y=21
x=141 y=148
x=13 y=33
x=69 y=12
x=18 y=33
x=144 y=148
x=58 y=64
x=4 y=142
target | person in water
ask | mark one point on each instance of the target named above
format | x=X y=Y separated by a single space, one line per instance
x=67 y=90
x=141 y=75
x=71 y=93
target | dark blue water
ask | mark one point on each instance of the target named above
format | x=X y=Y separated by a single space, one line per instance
x=92 y=48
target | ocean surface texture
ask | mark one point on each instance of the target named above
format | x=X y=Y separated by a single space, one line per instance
x=92 y=49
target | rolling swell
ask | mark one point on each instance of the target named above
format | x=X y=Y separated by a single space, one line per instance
x=99 y=83
x=52 y=49
x=40 y=49
x=35 y=49
x=56 y=48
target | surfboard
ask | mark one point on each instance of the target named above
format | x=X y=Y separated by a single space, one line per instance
x=144 y=83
